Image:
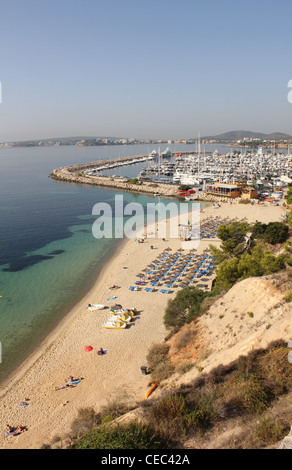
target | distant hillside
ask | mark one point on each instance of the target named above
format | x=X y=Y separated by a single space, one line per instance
x=238 y=135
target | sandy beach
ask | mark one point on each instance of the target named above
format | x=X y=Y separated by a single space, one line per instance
x=115 y=375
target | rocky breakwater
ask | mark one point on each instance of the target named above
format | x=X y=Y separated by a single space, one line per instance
x=77 y=174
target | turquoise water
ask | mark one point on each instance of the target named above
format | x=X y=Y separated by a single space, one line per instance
x=49 y=258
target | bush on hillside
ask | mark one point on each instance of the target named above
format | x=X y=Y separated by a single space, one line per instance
x=273 y=232
x=245 y=388
x=129 y=436
x=184 y=307
x=260 y=262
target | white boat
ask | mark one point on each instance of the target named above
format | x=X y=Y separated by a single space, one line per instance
x=123 y=311
x=166 y=153
x=124 y=317
x=95 y=307
x=114 y=325
x=153 y=155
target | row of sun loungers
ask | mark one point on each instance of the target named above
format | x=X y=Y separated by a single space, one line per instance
x=179 y=270
x=174 y=270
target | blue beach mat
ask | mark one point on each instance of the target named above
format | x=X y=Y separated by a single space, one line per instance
x=22 y=404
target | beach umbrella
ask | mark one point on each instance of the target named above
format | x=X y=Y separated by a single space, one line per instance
x=88 y=348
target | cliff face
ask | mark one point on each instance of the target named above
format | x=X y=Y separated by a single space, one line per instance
x=249 y=316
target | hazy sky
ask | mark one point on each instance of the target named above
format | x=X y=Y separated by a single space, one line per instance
x=151 y=68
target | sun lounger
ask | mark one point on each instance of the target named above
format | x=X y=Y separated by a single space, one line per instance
x=148 y=289
x=164 y=291
x=133 y=288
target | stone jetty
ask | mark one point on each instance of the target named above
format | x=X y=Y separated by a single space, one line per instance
x=77 y=174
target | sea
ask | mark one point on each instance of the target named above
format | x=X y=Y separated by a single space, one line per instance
x=49 y=258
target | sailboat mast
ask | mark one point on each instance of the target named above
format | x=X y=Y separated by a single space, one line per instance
x=199 y=152
x=159 y=164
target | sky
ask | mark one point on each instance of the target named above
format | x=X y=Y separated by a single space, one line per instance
x=144 y=69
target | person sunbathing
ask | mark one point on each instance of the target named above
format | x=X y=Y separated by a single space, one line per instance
x=62 y=387
x=70 y=379
x=21 y=429
x=18 y=430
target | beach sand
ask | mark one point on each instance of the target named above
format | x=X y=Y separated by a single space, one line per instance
x=115 y=376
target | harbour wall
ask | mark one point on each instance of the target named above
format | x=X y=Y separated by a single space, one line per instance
x=75 y=174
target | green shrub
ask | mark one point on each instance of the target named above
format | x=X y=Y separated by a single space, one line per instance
x=134 y=181
x=184 y=187
x=177 y=417
x=256 y=397
x=157 y=355
x=259 y=262
x=273 y=233
x=131 y=436
x=233 y=237
x=184 y=307
x=204 y=413
x=170 y=407
x=86 y=419
x=269 y=431
x=245 y=201
x=158 y=361
x=288 y=295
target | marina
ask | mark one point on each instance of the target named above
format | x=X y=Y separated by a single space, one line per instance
x=194 y=169
x=251 y=174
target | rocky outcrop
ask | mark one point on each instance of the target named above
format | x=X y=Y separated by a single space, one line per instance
x=287 y=442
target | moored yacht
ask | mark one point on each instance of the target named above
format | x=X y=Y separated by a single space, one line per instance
x=166 y=153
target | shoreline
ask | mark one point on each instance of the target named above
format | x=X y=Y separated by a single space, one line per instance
x=14 y=376
x=117 y=375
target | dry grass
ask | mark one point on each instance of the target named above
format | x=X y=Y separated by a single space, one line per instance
x=245 y=390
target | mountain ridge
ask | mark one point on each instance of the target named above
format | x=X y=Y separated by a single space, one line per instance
x=241 y=134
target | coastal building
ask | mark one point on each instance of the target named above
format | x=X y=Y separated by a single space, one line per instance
x=231 y=190
x=224 y=189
